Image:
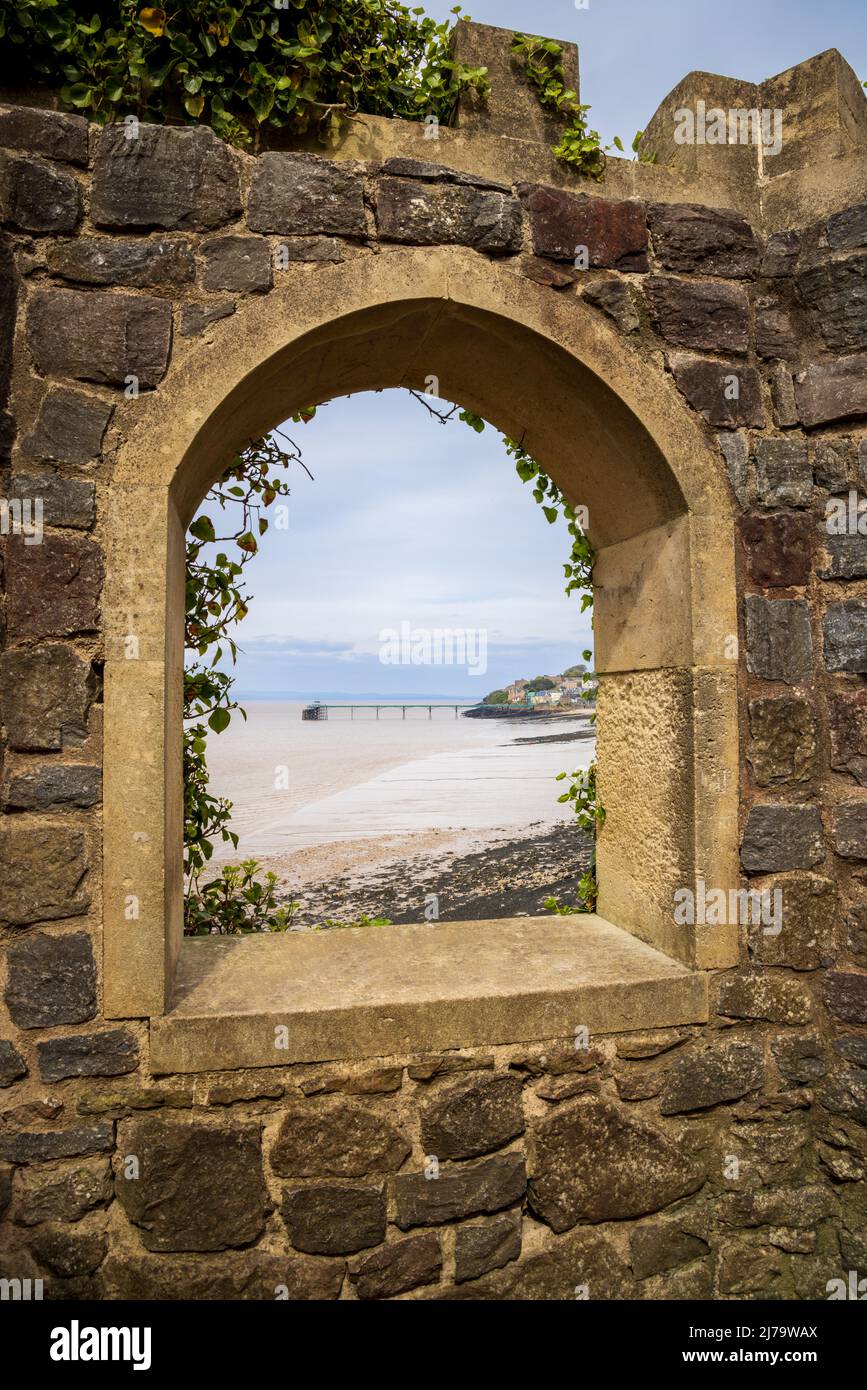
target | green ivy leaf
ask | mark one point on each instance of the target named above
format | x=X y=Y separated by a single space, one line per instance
x=203 y=529
x=261 y=103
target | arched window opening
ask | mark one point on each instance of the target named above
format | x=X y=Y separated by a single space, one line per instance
x=389 y=694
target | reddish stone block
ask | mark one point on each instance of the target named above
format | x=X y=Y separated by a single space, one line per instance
x=778 y=548
x=54 y=588
x=614 y=233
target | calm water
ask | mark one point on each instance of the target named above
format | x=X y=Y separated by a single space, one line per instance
x=296 y=784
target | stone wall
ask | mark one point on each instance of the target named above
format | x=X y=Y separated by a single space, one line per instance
x=716 y=1162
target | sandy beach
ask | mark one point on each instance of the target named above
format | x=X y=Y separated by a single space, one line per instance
x=376 y=816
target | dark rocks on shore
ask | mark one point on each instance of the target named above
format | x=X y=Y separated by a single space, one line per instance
x=512 y=879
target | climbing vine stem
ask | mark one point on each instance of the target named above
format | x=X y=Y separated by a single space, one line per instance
x=579 y=144
x=221 y=542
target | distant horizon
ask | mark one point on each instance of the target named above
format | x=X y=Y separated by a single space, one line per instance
x=354 y=698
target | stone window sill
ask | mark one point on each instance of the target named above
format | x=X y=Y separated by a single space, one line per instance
x=376 y=992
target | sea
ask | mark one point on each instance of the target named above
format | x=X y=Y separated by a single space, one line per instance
x=296 y=784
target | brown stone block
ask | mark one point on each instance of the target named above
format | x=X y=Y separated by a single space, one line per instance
x=44 y=870
x=850 y=828
x=241 y=264
x=783 y=474
x=141 y=263
x=231 y=1275
x=782 y=747
x=64 y=1194
x=111 y=1053
x=700 y=313
x=197 y=1186
x=721 y=1072
x=847 y=720
x=55 y=134
x=469 y=1117
x=52 y=980
x=696 y=240
x=328 y=1219
x=305 y=195
x=99 y=336
x=727 y=394
x=777 y=331
x=399 y=1266
x=164 y=177
x=846 y=996
x=614 y=233
x=466 y=1189
x=829 y=391
x=844 y=631
x=69 y=427
x=54 y=588
x=409 y=210
x=36 y=198
x=46 y=695
x=336 y=1139
x=594 y=1162
x=779 y=837
x=779 y=639
x=12 y=1066
x=764 y=996
x=836 y=295
x=486 y=1245
x=779 y=549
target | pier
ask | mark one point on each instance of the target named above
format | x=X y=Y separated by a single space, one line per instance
x=318 y=710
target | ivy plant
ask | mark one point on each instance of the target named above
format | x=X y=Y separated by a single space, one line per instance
x=236 y=902
x=302 y=65
x=216 y=600
x=579 y=144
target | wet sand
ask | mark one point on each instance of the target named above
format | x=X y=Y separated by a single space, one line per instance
x=374 y=817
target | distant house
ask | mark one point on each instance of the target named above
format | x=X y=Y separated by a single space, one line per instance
x=546 y=697
x=517 y=692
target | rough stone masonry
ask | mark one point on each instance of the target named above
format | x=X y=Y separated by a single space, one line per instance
x=718 y=1161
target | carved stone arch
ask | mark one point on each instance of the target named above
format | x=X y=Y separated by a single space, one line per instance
x=609 y=428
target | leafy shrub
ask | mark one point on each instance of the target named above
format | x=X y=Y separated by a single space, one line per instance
x=303 y=65
x=236 y=903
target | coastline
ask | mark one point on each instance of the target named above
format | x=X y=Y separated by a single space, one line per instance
x=376 y=819
x=503 y=874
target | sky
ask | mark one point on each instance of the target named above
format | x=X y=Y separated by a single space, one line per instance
x=632 y=53
x=407 y=522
